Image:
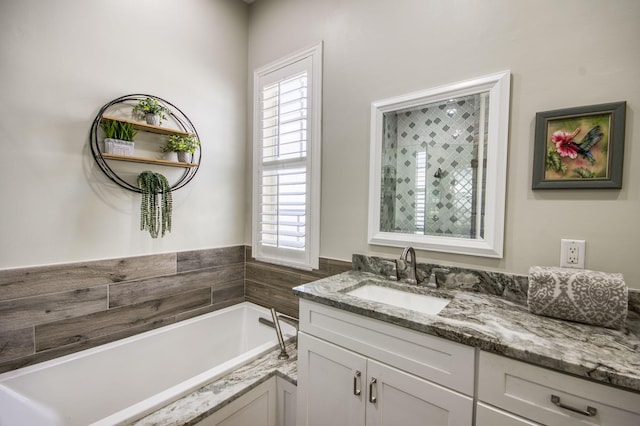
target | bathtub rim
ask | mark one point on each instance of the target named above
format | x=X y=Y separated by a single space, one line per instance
x=116 y=343
x=150 y=404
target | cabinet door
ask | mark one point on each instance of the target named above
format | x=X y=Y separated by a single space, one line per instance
x=398 y=398
x=433 y=358
x=257 y=408
x=330 y=384
x=285 y=402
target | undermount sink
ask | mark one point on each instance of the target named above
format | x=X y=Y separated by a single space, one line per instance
x=402 y=299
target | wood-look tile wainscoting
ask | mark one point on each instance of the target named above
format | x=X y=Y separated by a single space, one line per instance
x=270 y=285
x=50 y=311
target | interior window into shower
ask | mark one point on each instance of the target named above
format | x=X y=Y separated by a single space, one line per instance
x=434 y=168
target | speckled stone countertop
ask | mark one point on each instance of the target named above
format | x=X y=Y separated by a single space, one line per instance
x=501 y=325
x=201 y=403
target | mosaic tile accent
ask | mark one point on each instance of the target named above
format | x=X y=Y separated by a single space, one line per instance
x=432 y=153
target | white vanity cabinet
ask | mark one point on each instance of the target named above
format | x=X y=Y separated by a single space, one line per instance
x=256 y=407
x=512 y=392
x=270 y=403
x=354 y=370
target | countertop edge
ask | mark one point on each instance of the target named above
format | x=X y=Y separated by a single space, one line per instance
x=597 y=372
x=206 y=400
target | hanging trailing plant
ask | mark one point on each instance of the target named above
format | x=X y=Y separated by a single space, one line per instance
x=155 y=207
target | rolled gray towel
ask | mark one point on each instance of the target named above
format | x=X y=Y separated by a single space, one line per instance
x=591 y=297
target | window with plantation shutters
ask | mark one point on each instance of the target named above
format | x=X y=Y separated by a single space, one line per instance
x=286 y=160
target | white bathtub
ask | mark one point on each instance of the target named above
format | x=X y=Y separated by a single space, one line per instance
x=124 y=380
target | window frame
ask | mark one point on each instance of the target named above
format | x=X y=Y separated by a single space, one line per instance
x=309 y=258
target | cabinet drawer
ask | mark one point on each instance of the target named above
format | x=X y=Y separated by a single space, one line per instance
x=447 y=363
x=527 y=390
x=491 y=416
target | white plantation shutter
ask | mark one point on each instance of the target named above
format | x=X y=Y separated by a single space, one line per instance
x=286 y=161
x=420 y=191
x=283 y=213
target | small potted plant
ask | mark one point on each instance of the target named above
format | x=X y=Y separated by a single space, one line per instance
x=182 y=145
x=118 y=137
x=151 y=110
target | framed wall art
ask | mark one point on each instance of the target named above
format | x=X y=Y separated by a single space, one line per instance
x=580 y=147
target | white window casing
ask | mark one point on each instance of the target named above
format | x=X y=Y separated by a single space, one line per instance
x=286 y=160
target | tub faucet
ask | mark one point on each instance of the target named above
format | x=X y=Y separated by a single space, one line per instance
x=294 y=322
x=276 y=324
x=413 y=270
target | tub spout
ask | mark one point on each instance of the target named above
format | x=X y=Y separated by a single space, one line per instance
x=276 y=324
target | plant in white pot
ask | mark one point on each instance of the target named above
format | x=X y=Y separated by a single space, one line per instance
x=118 y=137
x=182 y=145
x=152 y=111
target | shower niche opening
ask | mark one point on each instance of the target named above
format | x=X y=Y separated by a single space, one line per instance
x=438 y=168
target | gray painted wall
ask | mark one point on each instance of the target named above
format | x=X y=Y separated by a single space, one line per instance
x=561 y=54
x=60 y=62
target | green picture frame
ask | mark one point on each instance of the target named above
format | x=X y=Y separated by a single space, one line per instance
x=580 y=148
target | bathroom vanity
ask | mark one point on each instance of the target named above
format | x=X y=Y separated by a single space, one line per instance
x=354 y=370
x=480 y=360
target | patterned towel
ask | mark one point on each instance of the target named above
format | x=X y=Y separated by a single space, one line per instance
x=591 y=297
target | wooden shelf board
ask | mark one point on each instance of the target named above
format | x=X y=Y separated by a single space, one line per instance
x=147 y=127
x=146 y=160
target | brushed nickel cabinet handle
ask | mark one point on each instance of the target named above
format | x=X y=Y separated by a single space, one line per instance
x=372 y=398
x=356 y=383
x=590 y=411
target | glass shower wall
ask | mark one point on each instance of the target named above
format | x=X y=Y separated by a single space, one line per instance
x=430 y=169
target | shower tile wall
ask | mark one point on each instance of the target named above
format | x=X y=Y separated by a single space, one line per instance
x=389 y=161
x=438 y=140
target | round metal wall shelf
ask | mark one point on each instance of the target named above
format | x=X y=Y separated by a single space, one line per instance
x=175 y=114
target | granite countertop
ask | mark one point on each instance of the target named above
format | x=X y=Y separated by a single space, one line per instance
x=500 y=326
x=201 y=403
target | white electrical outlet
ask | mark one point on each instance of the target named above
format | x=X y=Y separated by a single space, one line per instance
x=572 y=253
